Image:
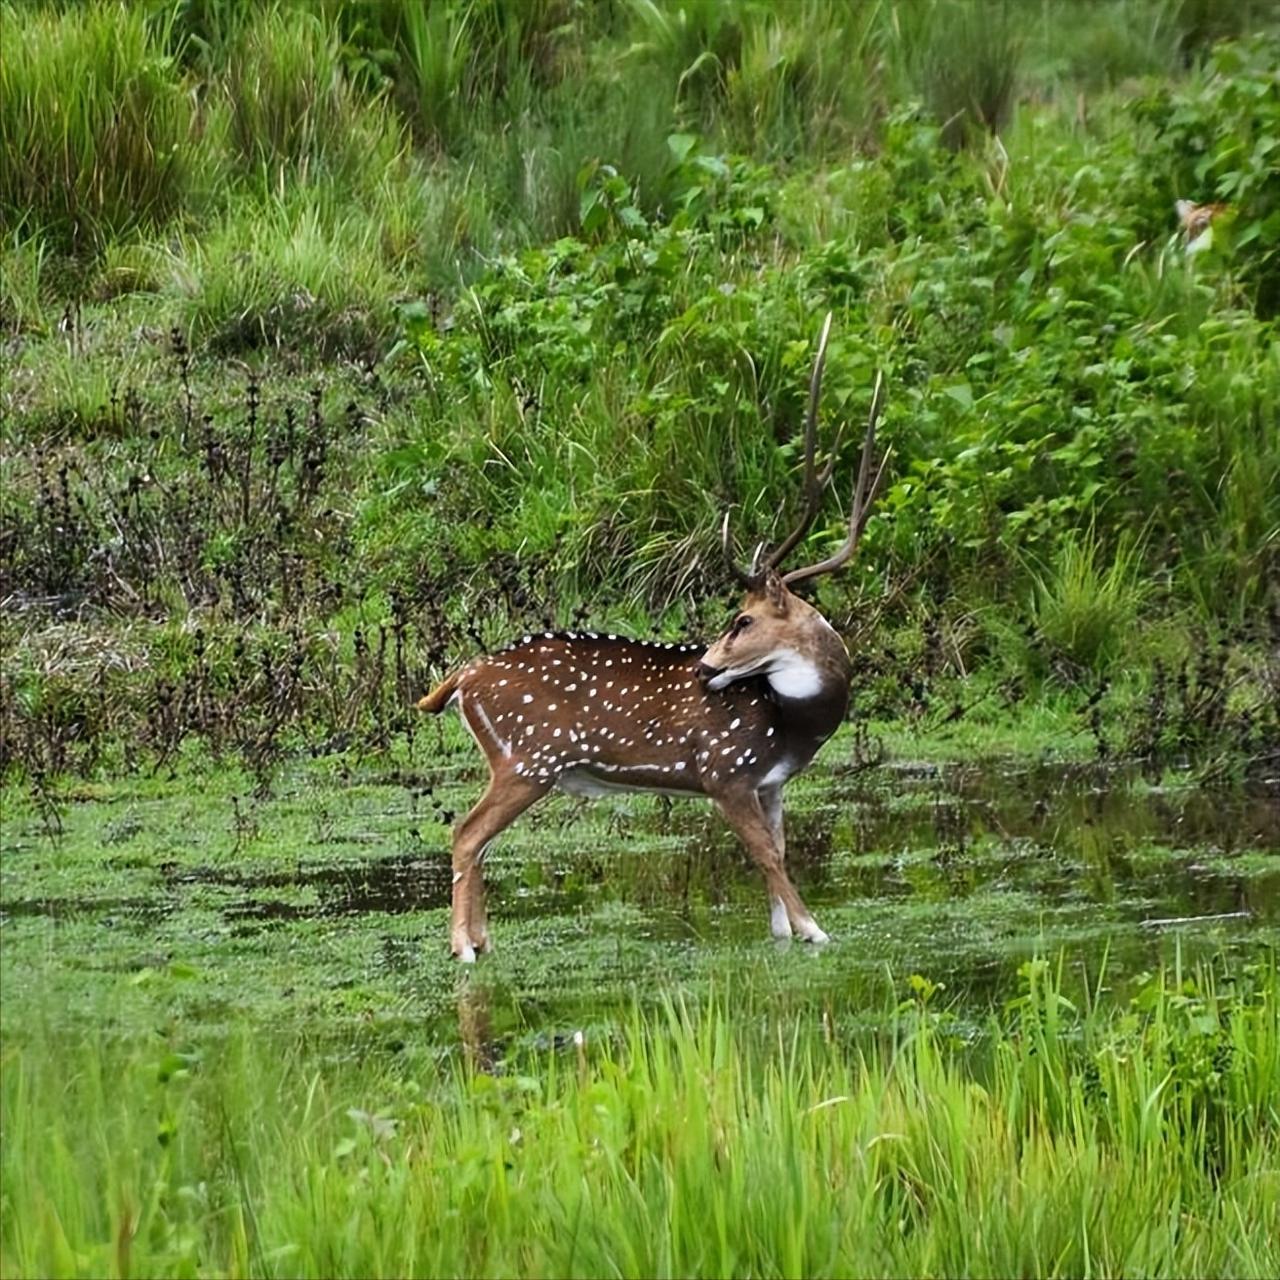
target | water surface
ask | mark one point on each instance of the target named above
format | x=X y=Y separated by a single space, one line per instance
x=326 y=905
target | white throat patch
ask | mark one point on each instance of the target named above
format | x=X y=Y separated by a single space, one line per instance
x=793 y=676
x=790 y=675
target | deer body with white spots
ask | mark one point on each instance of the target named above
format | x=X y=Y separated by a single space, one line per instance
x=589 y=714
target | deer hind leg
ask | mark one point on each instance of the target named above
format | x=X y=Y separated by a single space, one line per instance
x=753 y=821
x=505 y=800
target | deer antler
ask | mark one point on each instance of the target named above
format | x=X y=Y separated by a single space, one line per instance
x=726 y=546
x=864 y=495
x=814 y=484
x=814 y=481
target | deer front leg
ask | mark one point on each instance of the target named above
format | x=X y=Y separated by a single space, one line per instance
x=745 y=813
x=771 y=806
x=507 y=797
x=477 y=916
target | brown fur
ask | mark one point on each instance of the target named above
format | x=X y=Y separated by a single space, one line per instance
x=780 y=620
x=588 y=713
x=1196 y=219
x=438 y=698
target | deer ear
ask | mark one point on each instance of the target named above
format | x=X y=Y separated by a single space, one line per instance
x=776 y=592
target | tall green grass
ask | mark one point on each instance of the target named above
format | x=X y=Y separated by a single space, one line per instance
x=726 y=1140
x=962 y=60
x=1087 y=600
x=294 y=114
x=96 y=124
x=301 y=269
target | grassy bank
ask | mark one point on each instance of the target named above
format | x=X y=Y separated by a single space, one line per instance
x=1054 y=1138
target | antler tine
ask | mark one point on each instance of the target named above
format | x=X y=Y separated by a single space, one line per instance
x=814 y=481
x=864 y=495
x=726 y=545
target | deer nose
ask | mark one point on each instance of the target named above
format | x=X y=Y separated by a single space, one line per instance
x=706 y=671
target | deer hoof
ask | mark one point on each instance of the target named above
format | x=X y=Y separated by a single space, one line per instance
x=810 y=932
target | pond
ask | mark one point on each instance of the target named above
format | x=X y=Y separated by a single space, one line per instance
x=323 y=907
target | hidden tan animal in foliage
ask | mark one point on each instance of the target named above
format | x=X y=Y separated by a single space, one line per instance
x=1196 y=222
x=591 y=714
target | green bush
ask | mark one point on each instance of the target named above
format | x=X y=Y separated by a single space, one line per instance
x=1219 y=139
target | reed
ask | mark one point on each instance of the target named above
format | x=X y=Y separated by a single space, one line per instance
x=719 y=1139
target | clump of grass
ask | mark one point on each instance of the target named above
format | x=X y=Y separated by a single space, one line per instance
x=1202 y=22
x=456 y=62
x=1122 y=40
x=1086 y=604
x=725 y=1141
x=786 y=90
x=697 y=45
x=287 y=272
x=95 y=128
x=23 y=290
x=293 y=110
x=962 y=60
x=434 y=69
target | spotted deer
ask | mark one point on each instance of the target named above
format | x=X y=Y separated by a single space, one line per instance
x=591 y=714
x=1196 y=222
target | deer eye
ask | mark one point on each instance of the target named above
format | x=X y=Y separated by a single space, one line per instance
x=742 y=622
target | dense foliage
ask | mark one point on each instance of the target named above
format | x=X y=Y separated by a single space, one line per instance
x=325 y=322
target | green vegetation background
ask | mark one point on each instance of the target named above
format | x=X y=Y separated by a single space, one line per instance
x=343 y=339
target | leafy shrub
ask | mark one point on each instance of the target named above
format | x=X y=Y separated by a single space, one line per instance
x=1219 y=137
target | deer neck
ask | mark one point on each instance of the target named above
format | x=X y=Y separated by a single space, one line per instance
x=810 y=687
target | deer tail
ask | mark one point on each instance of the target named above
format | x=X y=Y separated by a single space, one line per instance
x=438 y=698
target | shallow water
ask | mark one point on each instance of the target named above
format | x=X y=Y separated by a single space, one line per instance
x=327 y=906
